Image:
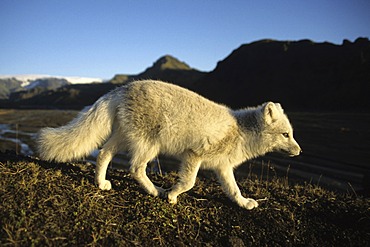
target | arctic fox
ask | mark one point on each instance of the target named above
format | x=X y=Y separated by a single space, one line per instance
x=146 y=118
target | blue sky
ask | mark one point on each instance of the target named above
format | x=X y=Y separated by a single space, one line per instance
x=102 y=38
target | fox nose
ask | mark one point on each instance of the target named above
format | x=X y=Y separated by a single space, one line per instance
x=298 y=152
x=299 y=149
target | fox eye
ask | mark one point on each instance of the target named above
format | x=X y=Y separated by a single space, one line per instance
x=286 y=134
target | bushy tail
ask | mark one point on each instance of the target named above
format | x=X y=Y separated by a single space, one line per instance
x=80 y=136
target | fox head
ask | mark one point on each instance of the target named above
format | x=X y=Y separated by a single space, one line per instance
x=277 y=132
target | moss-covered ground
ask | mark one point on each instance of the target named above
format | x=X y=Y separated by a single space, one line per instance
x=52 y=204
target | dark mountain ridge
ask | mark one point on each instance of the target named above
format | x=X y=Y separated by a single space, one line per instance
x=302 y=75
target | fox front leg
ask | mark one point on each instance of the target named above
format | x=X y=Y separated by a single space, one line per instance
x=230 y=187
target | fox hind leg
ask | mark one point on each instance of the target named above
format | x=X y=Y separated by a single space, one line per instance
x=106 y=154
x=138 y=166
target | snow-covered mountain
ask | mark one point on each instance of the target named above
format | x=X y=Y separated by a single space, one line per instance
x=22 y=83
x=28 y=79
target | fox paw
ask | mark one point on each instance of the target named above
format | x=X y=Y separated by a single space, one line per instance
x=105 y=185
x=172 y=198
x=248 y=203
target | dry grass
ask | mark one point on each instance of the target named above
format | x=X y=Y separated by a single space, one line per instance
x=58 y=205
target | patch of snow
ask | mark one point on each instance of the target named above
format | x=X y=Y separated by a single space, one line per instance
x=25 y=149
x=32 y=85
x=81 y=80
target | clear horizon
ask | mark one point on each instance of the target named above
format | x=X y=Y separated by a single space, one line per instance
x=102 y=38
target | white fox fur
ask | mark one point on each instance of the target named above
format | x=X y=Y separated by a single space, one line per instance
x=146 y=118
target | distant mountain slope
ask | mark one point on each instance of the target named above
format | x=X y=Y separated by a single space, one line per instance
x=77 y=96
x=8 y=86
x=14 y=88
x=166 y=68
x=72 y=96
x=37 y=87
x=301 y=75
x=26 y=86
x=170 y=69
x=28 y=79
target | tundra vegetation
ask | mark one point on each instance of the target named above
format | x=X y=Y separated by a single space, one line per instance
x=57 y=204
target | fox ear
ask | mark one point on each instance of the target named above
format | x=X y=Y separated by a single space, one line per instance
x=278 y=106
x=271 y=112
